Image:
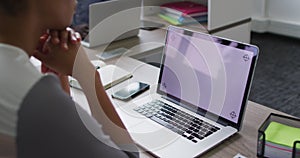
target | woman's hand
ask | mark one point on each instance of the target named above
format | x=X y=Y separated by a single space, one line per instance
x=64 y=37
x=82 y=29
x=58 y=50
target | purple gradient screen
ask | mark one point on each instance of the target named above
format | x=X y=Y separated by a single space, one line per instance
x=205 y=72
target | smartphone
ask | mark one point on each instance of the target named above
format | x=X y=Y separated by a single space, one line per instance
x=131 y=90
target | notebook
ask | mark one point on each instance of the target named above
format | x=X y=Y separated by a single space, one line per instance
x=111 y=21
x=184 y=8
x=110 y=75
x=201 y=95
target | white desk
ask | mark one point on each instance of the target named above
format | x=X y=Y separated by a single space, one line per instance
x=244 y=142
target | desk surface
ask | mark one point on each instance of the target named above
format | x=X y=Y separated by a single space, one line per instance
x=243 y=142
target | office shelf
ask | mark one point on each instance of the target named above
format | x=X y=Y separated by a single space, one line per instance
x=229 y=19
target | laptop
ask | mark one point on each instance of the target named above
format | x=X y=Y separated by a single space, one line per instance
x=201 y=95
x=112 y=20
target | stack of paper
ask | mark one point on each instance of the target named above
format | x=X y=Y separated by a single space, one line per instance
x=183 y=12
x=280 y=139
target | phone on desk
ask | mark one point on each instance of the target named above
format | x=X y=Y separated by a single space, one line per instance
x=130 y=91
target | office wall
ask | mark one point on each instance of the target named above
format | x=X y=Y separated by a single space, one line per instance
x=277 y=16
x=258 y=8
x=287 y=10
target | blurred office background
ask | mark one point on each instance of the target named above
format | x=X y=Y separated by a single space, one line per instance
x=276 y=81
x=276 y=31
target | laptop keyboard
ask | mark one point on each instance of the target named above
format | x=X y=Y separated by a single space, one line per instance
x=178 y=121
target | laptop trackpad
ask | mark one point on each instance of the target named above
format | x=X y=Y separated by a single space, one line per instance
x=152 y=136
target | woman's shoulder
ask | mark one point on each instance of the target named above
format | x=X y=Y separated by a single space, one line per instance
x=7 y=146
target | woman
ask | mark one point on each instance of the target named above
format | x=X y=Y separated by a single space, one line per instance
x=37 y=118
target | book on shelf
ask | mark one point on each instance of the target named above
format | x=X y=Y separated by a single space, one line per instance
x=171 y=20
x=184 y=8
x=279 y=141
x=182 y=20
x=177 y=16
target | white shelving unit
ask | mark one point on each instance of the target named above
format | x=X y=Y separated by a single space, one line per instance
x=229 y=18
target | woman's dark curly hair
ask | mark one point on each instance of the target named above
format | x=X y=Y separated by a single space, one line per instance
x=12 y=7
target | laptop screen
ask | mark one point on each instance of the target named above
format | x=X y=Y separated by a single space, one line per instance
x=210 y=73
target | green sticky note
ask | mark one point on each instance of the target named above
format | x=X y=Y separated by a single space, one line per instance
x=282 y=134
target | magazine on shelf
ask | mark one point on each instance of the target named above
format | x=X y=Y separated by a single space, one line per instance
x=183 y=21
x=176 y=16
x=184 y=8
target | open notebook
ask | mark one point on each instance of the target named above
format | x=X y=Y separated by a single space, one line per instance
x=110 y=76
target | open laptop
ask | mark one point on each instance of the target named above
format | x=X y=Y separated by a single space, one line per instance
x=201 y=95
x=112 y=20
